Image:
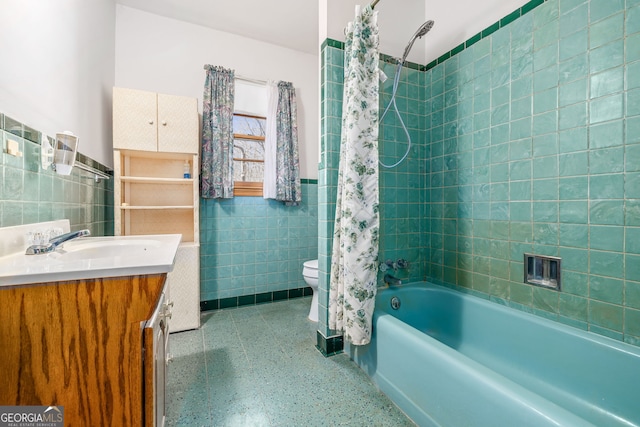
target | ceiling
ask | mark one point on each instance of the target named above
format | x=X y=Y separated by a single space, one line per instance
x=295 y=24
x=288 y=23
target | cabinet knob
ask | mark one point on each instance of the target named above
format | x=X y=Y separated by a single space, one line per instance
x=151 y=121
x=164 y=123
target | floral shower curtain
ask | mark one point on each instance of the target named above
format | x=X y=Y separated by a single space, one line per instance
x=216 y=166
x=354 y=261
x=282 y=173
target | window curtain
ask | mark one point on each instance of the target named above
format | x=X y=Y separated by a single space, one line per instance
x=270 y=142
x=216 y=175
x=354 y=258
x=287 y=158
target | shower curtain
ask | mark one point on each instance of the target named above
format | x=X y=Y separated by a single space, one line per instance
x=354 y=259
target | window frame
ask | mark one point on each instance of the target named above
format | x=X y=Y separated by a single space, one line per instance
x=248 y=188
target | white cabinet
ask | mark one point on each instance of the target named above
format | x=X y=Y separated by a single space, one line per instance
x=151 y=195
x=185 y=272
x=152 y=121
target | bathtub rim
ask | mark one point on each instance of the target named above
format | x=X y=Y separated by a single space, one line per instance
x=588 y=335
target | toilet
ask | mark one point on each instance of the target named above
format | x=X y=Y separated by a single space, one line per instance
x=310 y=274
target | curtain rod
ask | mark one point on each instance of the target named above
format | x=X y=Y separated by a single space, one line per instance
x=250 y=80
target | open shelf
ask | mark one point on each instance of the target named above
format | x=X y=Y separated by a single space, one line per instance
x=155 y=207
x=151 y=195
x=153 y=180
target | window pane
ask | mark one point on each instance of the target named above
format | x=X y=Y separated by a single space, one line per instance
x=251 y=150
x=248 y=171
x=248 y=149
x=249 y=125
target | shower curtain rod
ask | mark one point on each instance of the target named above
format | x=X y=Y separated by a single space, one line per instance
x=372 y=5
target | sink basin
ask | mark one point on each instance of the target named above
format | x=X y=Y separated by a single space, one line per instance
x=93 y=257
x=84 y=249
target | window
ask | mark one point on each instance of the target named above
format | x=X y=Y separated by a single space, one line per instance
x=248 y=154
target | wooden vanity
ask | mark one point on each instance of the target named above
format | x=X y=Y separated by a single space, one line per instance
x=86 y=345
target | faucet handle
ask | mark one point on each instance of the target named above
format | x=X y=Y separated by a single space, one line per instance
x=384 y=266
x=402 y=263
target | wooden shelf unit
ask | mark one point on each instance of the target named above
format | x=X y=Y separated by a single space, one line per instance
x=152 y=197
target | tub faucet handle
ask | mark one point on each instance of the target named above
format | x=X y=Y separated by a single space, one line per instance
x=402 y=263
x=384 y=266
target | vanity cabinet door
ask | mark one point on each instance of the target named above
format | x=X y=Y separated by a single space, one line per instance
x=135 y=119
x=156 y=336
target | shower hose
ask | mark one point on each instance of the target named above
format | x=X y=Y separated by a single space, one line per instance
x=396 y=79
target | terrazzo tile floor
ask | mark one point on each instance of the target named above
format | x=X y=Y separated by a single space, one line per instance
x=258 y=366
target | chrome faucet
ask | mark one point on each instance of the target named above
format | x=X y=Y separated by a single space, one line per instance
x=392 y=281
x=55 y=242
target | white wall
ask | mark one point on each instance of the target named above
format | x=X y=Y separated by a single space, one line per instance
x=458 y=24
x=397 y=22
x=58 y=68
x=165 y=55
x=455 y=22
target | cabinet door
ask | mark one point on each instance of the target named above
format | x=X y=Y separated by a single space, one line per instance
x=177 y=124
x=134 y=119
x=155 y=336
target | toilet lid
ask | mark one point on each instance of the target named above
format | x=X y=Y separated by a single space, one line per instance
x=311 y=264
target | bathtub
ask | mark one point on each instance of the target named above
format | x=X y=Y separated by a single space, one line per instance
x=451 y=359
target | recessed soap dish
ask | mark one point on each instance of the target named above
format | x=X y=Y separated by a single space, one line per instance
x=542 y=270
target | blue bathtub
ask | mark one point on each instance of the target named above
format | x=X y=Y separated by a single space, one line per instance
x=450 y=359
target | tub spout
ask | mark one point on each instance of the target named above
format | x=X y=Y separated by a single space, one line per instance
x=392 y=281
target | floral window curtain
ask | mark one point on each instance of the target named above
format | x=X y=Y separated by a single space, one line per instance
x=282 y=176
x=354 y=259
x=216 y=176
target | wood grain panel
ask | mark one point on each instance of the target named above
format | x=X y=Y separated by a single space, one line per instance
x=77 y=344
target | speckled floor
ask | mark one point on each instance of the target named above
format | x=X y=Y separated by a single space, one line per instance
x=258 y=366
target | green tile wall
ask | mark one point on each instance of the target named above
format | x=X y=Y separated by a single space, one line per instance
x=30 y=194
x=249 y=245
x=402 y=196
x=543 y=142
x=403 y=233
x=331 y=82
x=528 y=141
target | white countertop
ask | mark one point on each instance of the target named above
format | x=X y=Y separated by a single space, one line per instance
x=91 y=258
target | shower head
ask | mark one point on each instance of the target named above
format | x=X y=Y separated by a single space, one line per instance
x=424 y=29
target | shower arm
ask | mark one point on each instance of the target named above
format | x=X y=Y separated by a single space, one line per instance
x=374 y=3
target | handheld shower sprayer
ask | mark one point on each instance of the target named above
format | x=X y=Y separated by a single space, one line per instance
x=424 y=29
